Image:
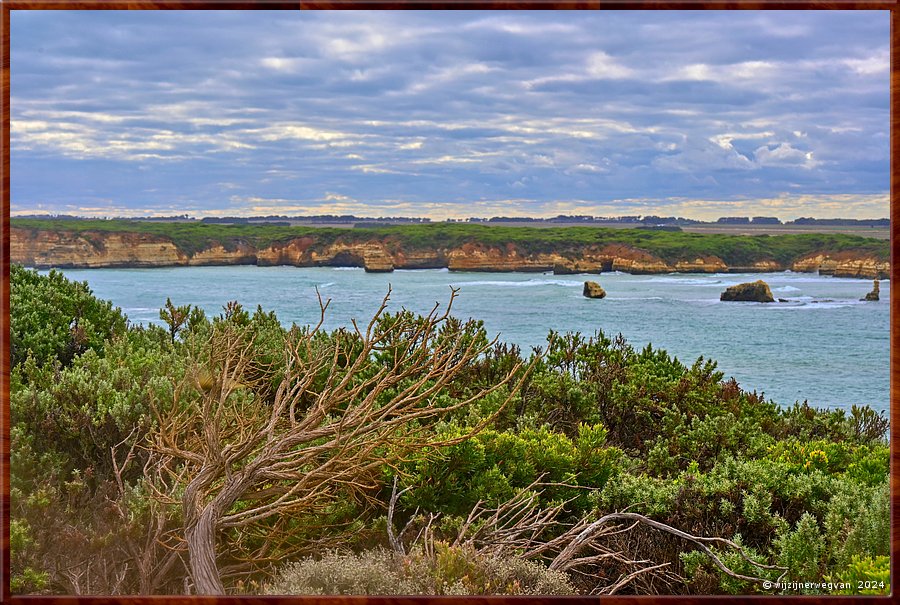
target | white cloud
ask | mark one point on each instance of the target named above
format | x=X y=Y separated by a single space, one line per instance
x=597 y=66
x=284 y=64
x=702 y=157
x=602 y=66
x=298 y=131
x=337 y=197
x=729 y=73
x=724 y=140
x=875 y=65
x=522 y=27
x=448 y=75
x=783 y=154
x=85 y=140
x=362 y=43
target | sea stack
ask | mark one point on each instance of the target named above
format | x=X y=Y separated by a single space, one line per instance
x=561 y=269
x=593 y=290
x=757 y=291
x=873 y=295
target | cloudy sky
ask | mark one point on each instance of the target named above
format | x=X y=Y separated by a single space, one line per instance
x=451 y=114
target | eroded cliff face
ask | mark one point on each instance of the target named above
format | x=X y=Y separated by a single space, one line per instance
x=478 y=257
x=243 y=254
x=705 y=264
x=844 y=264
x=293 y=252
x=91 y=249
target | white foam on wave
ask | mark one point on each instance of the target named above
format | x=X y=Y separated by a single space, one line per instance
x=687 y=281
x=786 y=289
x=347 y=269
x=812 y=304
x=522 y=284
x=440 y=270
x=815 y=278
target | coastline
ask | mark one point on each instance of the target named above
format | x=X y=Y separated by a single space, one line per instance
x=838 y=334
x=46 y=248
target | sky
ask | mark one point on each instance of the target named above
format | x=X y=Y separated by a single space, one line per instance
x=454 y=114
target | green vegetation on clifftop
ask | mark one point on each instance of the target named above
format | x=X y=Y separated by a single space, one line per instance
x=735 y=250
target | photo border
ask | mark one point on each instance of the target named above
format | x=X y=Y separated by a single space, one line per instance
x=9 y=5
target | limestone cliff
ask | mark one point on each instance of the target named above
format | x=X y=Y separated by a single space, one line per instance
x=844 y=264
x=243 y=254
x=479 y=257
x=706 y=264
x=92 y=249
x=88 y=249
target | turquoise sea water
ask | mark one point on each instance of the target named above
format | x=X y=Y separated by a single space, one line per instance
x=825 y=345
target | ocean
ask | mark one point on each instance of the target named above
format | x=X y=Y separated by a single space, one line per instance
x=824 y=346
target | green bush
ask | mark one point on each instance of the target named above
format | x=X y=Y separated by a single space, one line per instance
x=81 y=411
x=802 y=550
x=492 y=465
x=54 y=319
x=706 y=578
x=857 y=521
x=865 y=576
x=24 y=578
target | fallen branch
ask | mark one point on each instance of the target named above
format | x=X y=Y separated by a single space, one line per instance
x=597 y=527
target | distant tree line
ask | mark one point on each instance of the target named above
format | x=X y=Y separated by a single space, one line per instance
x=649 y=219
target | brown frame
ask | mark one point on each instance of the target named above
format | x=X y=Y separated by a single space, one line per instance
x=7 y=5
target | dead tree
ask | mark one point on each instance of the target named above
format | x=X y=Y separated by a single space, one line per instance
x=336 y=419
x=521 y=528
x=154 y=552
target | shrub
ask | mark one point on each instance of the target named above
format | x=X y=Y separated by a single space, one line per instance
x=705 y=578
x=802 y=550
x=865 y=576
x=492 y=465
x=79 y=412
x=54 y=319
x=444 y=571
x=857 y=522
x=24 y=577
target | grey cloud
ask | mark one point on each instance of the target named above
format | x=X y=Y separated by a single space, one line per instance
x=427 y=106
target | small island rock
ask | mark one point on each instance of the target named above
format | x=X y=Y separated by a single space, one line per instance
x=873 y=295
x=757 y=291
x=593 y=290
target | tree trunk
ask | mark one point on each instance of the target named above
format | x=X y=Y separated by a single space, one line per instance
x=201 y=543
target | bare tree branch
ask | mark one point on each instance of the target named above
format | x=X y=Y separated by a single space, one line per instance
x=345 y=406
x=394 y=540
x=597 y=527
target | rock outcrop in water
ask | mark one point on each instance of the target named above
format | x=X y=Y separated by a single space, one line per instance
x=757 y=291
x=873 y=296
x=593 y=290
